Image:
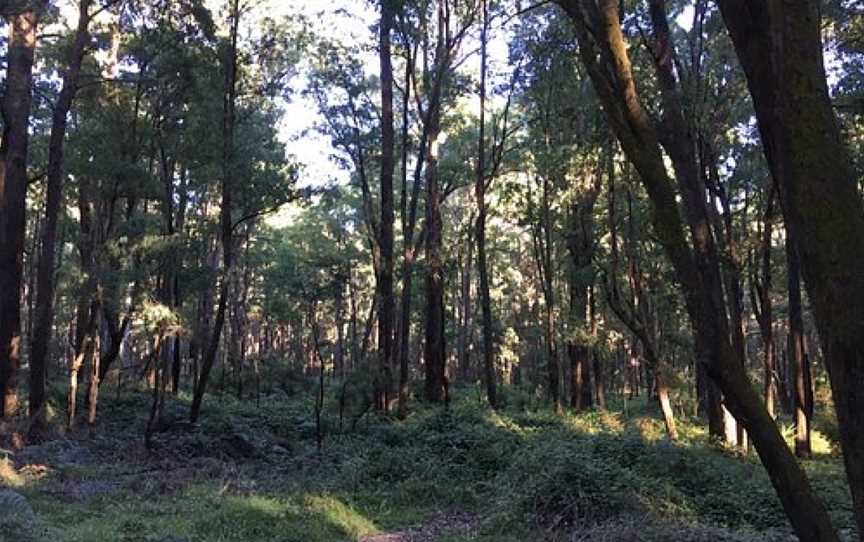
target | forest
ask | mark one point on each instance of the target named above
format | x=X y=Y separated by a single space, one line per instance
x=431 y=270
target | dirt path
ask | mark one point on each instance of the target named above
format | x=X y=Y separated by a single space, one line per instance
x=445 y=523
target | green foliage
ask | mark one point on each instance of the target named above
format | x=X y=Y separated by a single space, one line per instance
x=527 y=473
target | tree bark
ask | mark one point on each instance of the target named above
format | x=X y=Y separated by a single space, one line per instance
x=799 y=363
x=226 y=222
x=44 y=315
x=489 y=371
x=434 y=345
x=604 y=54
x=385 y=234
x=779 y=45
x=13 y=191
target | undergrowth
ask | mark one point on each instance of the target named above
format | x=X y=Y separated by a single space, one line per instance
x=251 y=471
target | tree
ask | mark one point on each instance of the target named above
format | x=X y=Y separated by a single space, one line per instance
x=489 y=372
x=780 y=50
x=225 y=217
x=385 y=235
x=452 y=23
x=44 y=317
x=13 y=188
x=604 y=53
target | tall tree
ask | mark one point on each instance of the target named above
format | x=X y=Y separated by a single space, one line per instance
x=603 y=50
x=22 y=19
x=453 y=21
x=226 y=222
x=489 y=372
x=779 y=45
x=434 y=346
x=385 y=235
x=44 y=316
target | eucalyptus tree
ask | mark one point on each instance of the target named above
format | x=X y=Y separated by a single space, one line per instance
x=603 y=50
x=780 y=49
x=23 y=20
x=244 y=93
x=385 y=234
x=78 y=46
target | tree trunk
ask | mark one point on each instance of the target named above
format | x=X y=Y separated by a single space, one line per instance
x=434 y=345
x=385 y=235
x=598 y=27
x=780 y=49
x=580 y=244
x=799 y=364
x=226 y=222
x=404 y=323
x=13 y=190
x=489 y=372
x=465 y=308
x=541 y=237
x=44 y=315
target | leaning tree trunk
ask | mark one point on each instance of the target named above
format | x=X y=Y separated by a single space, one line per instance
x=780 y=48
x=598 y=29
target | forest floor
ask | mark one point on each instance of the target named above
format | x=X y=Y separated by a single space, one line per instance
x=251 y=471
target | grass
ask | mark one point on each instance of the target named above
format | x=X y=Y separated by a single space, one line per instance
x=252 y=473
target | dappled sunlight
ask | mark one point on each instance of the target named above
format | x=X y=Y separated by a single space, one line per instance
x=651 y=430
x=341 y=515
x=9 y=476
